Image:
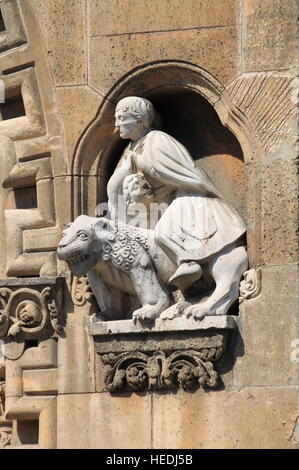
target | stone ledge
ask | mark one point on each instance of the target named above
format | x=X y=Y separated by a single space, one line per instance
x=32 y=281
x=218 y=322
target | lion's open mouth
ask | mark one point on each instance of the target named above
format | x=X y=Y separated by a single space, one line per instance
x=77 y=259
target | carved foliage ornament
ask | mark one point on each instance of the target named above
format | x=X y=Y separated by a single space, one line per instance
x=81 y=291
x=28 y=311
x=250 y=286
x=138 y=371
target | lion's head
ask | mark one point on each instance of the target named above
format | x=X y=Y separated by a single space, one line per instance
x=82 y=243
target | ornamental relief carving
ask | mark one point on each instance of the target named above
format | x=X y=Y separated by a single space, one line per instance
x=30 y=157
x=29 y=312
x=250 y=286
x=81 y=291
x=188 y=369
x=5 y=426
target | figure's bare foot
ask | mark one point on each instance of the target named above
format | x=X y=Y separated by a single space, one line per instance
x=186 y=274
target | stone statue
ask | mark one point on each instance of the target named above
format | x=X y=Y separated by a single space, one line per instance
x=119 y=259
x=197 y=245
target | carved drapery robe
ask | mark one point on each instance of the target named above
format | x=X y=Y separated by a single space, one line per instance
x=198 y=223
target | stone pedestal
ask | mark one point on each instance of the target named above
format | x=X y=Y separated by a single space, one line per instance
x=174 y=353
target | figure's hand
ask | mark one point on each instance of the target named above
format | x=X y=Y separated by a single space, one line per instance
x=115 y=183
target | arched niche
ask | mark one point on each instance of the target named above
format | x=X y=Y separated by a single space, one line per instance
x=195 y=109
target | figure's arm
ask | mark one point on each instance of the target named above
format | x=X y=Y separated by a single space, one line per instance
x=115 y=184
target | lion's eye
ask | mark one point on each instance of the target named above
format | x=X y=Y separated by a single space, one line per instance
x=82 y=235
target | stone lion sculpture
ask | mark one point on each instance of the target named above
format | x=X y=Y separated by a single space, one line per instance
x=120 y=258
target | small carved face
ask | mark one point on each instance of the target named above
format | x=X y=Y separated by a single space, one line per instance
x=29 y=313
x=129 y=124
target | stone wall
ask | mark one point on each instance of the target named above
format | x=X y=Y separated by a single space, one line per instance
x=225 y=70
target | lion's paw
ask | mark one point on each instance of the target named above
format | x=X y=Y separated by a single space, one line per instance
x=198 y=312
x=146 y=313
x=174 y=311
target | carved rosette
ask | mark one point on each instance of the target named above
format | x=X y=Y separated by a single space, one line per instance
x=31 y=312
x=139 y=371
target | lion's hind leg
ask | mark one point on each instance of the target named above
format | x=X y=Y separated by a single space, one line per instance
x=227 y=270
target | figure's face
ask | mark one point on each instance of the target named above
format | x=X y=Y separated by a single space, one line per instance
x=129 y=126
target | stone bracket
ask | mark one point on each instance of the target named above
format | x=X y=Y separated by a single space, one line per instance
x=174 y=353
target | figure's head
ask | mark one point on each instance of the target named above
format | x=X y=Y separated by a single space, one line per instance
x=133 y=116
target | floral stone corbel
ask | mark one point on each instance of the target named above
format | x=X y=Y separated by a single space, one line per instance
x=172 y=354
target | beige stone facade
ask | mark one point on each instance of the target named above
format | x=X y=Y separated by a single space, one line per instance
x=222 y=75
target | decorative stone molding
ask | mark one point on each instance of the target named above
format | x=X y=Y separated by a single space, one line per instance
x=31 y=389
x=139 y=371
x=5 y=426
x=250 y=286
x=14 y=34
x=269 y=106
x=164 y=357
x=33 y=138
x=81 y=291
x=33 y=311
x=5 y=434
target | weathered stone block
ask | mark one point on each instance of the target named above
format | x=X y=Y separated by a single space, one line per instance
x=212 y=49
x=76 y=356
x=63 y=26
x=268 y=325
x=270 y=34
x=268 y=100
x=125 y=16
x=40 y=381
x=72 y=99
x=279 y=228
x=253 y=213
x=103 y=422
x=256 y=418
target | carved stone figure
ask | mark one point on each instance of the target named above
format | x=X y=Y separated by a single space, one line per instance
x=198 y=223
x=128 y=259
x=196 y=244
